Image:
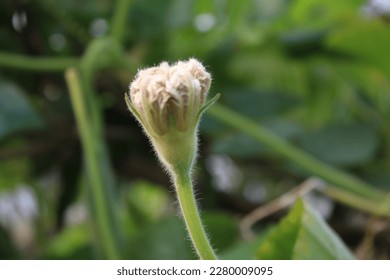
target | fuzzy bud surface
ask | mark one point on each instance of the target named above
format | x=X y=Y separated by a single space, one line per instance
x=168 y=101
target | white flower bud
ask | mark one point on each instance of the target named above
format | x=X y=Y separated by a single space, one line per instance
x=170 y=97
x=168 y=101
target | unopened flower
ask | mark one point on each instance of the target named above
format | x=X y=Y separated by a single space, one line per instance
x=169 y=97
x=168 y=101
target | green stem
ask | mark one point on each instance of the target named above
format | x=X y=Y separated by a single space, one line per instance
x=191 y=217
x=100 y=53
x=338 y=178
x=36 y=63
x=119 y=19
x=374 y=207
x=92 y=151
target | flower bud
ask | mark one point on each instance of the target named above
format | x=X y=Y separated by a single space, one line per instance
x=168 y=101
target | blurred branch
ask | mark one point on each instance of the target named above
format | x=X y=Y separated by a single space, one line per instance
x=277 y=204
x=95 y=158
x=366 y=249
x=119 y=20
x=290 y=197
x=379 y=207
x=36 y=63
x=345 y=184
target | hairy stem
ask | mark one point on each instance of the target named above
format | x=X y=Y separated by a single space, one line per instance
x=191 y=216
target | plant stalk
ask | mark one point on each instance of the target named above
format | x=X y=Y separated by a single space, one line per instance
x=377 y=208
x=92 y=152
x=119 y=19
x=48 y=64
x=191 y=216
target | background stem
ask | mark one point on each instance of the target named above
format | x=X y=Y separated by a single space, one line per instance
x=36 y=63
x=340 y=180
x=104 y=216
x=377 y=208
x=191 y=217
x=119 y=19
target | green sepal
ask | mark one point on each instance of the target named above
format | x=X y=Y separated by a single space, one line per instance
x=131 y=107
x=207 y=105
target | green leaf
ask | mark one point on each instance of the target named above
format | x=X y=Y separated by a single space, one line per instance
x=361 y=38
x=259 y=104
x=269 y=70
x=8 y=251
x=148 y=200
x=321 y=13
x=16 y=112
x=347 y=145
x=246 y=250
x=156 y=15
x=179 y=13
x=165 y=240
x=238 y=145
x=13 y=172
x=303 y=235
x=222 y=229
x=243 y=146
x=72 y=243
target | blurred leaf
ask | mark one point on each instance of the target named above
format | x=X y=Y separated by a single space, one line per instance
x=164 y=240
x=222 y=229
x=16 y=112
x=322 y=13
x=257 y=104
x=303 y=43
x=150 y=200
x=237 y=145
x=366 y=40
x=244 y=146
x=210 y=126
x=272 y=71
x=351 y=145
x=303 y=235
x=7 y=249
x=284 y=128
x=180 y=13
x=72 y=243
x=246 y=250
x=236 y=11
x=149 y=18
x=13 y=172
x=375 y=85
x=203 y=6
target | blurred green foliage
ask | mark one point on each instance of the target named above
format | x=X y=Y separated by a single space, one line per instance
x=313 y=240
x=316 y=73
